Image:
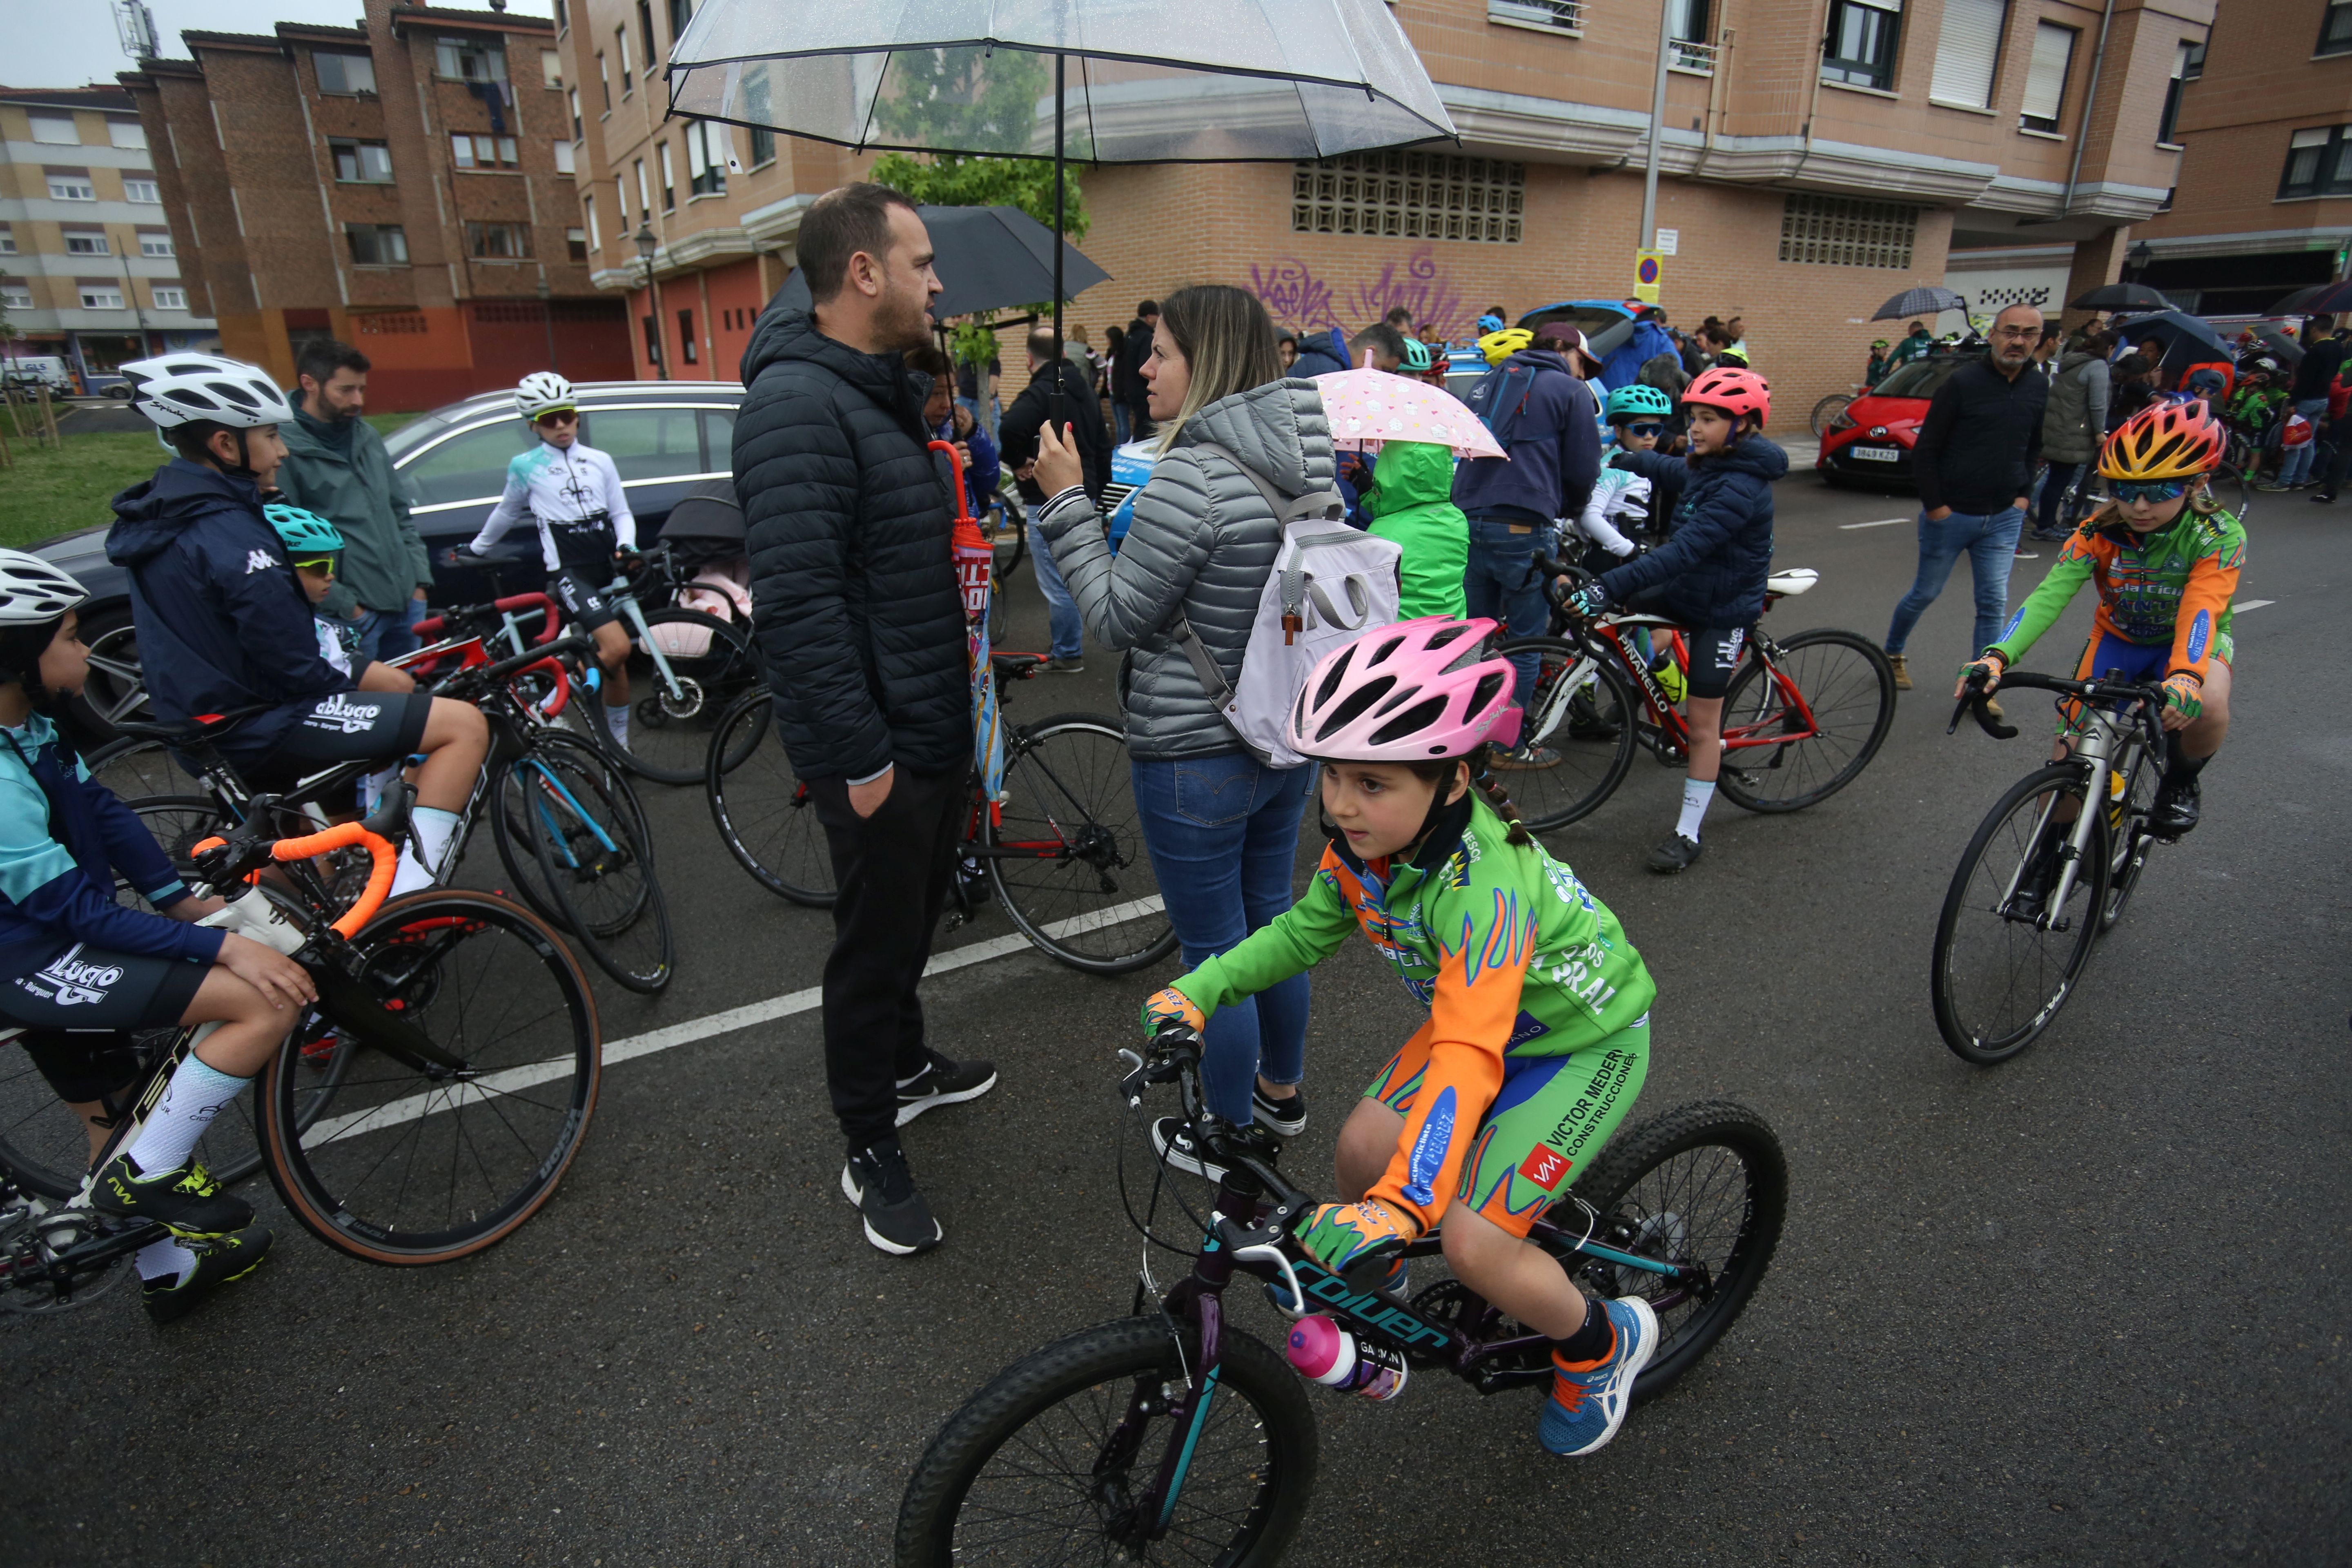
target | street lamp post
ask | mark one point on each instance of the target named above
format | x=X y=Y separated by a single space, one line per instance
x=547 y=317
x=2138 y=258
x=647 y=243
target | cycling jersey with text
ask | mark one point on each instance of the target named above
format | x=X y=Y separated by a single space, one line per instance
x=2172 y=586
x=574 y=495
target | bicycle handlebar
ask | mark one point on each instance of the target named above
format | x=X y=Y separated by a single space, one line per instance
x=222 y=861
x=1972 y=702
x=1176 y=1058
x=515 y=664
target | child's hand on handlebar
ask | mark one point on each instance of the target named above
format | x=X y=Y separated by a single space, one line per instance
x=1987 y=668
x=1587 y=602
x=2184 y=700
x=1337 y=1235
x=281 y=980
x=1171 y=1006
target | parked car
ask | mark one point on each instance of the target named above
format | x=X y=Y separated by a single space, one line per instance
x=1870 y=441
x=26 y=372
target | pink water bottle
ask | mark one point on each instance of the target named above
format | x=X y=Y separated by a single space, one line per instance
x=1330 y=1355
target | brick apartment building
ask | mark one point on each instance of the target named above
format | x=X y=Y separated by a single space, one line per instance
x=89 y=270
x=1818 y=156
x=406 y=184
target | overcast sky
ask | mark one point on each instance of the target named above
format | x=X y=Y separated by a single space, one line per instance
x=54 y=44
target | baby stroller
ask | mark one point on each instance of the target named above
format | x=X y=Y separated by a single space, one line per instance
x=708 y=563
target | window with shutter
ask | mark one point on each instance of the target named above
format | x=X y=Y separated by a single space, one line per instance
x=2187 y=65
x=2045 y=79
x=1859 y=45
x=1968 y=51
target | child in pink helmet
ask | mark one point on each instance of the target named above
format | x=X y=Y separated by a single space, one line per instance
x=1538 y=1039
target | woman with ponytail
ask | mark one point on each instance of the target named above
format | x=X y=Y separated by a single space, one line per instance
x=1538 y=1039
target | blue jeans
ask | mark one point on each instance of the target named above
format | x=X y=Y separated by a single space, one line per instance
x=2294 y=467
x=1222 y=833
x=388 y=634
x=1501 y=584
x=1062 y=609
x=1121 y=427
x=1991 y=544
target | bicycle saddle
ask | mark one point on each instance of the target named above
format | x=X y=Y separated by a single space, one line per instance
x=1796 y=580
x=1008 y=663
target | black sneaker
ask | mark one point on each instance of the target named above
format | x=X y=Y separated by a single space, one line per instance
x=1676 y=854
x=2324 y=498
x=943 y=1082
x=2049 y=535
x=898 y=1220
x=219 y=1260
x=1173 y=1143
x=187 y=1201
x=1060 y=666
x=1285 y=1117
x=2178 y=803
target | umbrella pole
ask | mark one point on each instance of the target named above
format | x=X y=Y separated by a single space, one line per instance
x=1061 y=65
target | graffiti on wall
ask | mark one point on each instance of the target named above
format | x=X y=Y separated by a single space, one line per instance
x=1296 y=296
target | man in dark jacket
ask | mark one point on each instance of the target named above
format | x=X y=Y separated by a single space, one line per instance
x=1553 y=442
x=854 y=601
x=1137 y=348
x=1049 y=369
x=2314 y=373
x=1974 y=462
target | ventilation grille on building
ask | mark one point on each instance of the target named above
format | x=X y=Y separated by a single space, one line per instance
x=379 y=322
x=1835 y=232
x=1410 y=195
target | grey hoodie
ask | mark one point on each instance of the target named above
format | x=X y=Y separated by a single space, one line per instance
x=1203 y=539
x=2076 y=420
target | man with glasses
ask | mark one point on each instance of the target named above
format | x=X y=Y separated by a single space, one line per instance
x=1974 y=461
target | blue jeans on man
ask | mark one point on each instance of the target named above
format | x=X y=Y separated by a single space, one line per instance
x=385 y=635
x=1222 y=834
x=1989 y=541
x=1121 y=426
x=1501 y=584
x=1062 y=610
x=2294 y=467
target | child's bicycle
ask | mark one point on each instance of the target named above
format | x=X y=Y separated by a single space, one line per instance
x=1170 y=1434
x=1801 y=718
x=2032 y=892
x=422 y=1111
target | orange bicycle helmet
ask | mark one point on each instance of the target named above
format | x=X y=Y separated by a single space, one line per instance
x=2164 y=441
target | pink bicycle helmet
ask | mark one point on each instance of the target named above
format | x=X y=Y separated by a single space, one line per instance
x=1412 y=693
x=1736 y=391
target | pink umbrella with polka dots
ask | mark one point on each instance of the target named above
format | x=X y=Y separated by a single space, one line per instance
x=1369 y=408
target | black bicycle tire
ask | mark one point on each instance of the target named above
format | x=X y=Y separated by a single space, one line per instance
x=1948 y=1024
x=1125 y=1348
x=289 y=1166
x=1752 y=670
x=751 y=708
x=1030 y=739
x=597 y=942
x=1822 y=413
x=1634 y=1153
x=739 y=667
x=1621 y=690
x=2129 y=857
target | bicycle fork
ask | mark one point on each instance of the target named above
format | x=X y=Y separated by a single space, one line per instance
x=2074 y=853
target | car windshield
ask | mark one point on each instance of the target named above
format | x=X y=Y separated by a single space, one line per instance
x=1920 y=378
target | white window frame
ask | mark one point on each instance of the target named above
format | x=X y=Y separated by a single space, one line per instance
x=46 y=129
x=16 y=297
x=551 y=67
x=2046 y=77
x=668 y=176
x=133 y=187
x=86 y=236
x=167 y=296
x=588 y=211
x=157 y=245
x=76 y=188
x=564 y=155
x=100 y=296
x=129 y=134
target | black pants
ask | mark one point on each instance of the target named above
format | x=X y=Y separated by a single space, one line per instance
x=2339 y=465
x=892 y=869
x=2053 y=494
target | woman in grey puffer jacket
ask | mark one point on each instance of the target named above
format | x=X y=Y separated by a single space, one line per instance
x=2073 y=424
x=1221 y=829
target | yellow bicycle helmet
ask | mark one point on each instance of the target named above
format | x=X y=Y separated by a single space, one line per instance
x=2163 y=441
x=1501 y=345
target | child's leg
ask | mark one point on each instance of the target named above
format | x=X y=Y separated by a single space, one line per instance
x=246 y=1029
x=456 y=738
x=1517 y=1275
x=613 y=658
x=1367 y=1142
x=381 y=677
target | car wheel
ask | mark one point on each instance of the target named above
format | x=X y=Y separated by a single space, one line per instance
x=116 y=687
x=120 y=394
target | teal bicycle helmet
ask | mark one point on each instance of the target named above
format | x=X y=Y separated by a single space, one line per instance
x=1416 y=356
x=305 y=534
x=1629 y=402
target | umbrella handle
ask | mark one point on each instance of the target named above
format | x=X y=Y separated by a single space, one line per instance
x=963 y=506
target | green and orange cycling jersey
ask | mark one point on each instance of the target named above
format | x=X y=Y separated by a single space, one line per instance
x=1537 y=1039
x=2169 y=588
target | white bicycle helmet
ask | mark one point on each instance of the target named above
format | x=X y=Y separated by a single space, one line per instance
x=177 y=389
x=32 y=590
x=542 y=391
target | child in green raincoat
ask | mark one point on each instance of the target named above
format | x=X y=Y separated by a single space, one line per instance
x=1411 y=500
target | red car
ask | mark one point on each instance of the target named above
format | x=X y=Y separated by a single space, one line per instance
x=1871 y=442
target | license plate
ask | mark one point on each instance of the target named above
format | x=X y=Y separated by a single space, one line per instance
x=1876 y=454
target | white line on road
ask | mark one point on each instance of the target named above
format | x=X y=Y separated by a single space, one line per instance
x=395 y=1113
x=2243 y=606
x=1881 y=523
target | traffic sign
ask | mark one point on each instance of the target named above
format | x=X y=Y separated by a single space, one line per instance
x=1649 y=272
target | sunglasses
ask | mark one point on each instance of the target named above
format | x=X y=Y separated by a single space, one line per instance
x=2165 y=489
x=559 y=416
x=325 y=563
x=1646 y=429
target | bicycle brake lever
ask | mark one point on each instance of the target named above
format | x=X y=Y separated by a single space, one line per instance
x=1130 y=1088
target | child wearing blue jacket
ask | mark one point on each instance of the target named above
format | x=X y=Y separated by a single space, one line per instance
x=1708 y=577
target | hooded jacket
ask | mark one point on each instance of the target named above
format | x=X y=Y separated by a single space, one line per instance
x=1016 y=432
x=1555 y=452
x=1623 y=366
x=2075 y=422
x=1411 y=501
x=353 y=487
x=1710 y=572
x=1202 y=541
x=223 y=623
x=1322 y=353
x=847 y=520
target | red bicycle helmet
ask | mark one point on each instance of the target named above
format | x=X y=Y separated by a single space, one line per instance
x=2164 y=441
x=1736 y=391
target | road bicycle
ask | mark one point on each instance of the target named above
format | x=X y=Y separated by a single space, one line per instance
x=1172 y=1435
x=2043 y=877
x=1062 y=849
x=423 y=1109
x=1801 y=718
x=1829 y=407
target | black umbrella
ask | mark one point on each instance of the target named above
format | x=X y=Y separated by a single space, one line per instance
x=2178 y=332
x=709 y=510
x=1925 y=301
x=989 y=259
x=2319 y=299
x=2121 y=297
x=2278 y=343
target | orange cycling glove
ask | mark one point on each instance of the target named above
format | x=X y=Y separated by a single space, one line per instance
x=1171 y=1006
x=1336 y=1235
x=2186 y=693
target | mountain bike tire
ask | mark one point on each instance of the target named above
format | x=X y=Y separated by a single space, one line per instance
x=1989 y=1032
x=1065 y=1399
x=1591 y=728
x=596 y=863
x=1846 y=680
x=495 y=985
x=762 y=811
x=1067 y=779
x=669 y=732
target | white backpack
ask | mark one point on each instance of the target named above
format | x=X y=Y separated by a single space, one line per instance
x=1329 y=584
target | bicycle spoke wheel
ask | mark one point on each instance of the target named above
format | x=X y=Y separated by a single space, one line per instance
x=133 y=769
x=42 y=1143
x=1580 y=733
x=2127 y=839
x=1827 y=409
x=1705 y=1184
x=409 y=1164
x=763 y=810
x=1065 y=851
x=671 y=720
x=1848 y=687
x=596 y=860
x=2004 y=961
x=1049 y=1462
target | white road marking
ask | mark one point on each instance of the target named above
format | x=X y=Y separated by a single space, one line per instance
x=2243 y=606
x=398 y=1112
x=1881 y=523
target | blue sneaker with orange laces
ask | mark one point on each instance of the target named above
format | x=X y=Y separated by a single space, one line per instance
x=1589 y=1399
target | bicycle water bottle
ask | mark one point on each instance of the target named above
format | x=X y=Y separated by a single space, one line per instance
x=1328 y=1355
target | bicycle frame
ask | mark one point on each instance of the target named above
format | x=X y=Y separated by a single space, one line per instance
x=1674 y=733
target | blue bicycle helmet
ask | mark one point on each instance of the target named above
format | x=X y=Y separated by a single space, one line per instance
x=1490 y=324
x=1629 y=402
x=305 y=534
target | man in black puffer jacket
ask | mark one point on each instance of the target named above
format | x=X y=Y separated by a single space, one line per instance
x=861 y=629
